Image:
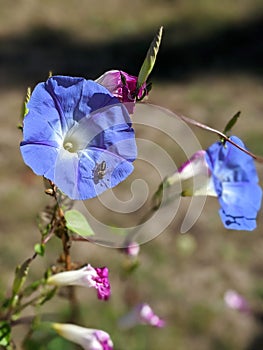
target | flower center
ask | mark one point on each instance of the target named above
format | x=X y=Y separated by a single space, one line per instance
x=70 y=146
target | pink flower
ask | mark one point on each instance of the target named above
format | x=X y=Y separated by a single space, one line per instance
x=89 y=339
x=141 y=314
x=88 y=276
x=236 y=301
x=132 y=249
x=123 y=86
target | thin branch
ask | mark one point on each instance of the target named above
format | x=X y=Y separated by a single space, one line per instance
x=222 y=135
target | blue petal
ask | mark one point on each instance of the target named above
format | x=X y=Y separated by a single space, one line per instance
x=76 y=175
x=237 y=222
x=117 y=170
x=243 y=197
x=76 y=97
x=240 y=202
x=66 y=169
x=41 y=158
x=84 y=113
x=107 y=128
x=65 y=92
x=228 y=163
x=43 y=120
x=235 y=181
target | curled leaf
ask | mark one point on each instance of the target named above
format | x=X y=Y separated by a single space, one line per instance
x=24 y=106
x=150 y=58
x=231 y=123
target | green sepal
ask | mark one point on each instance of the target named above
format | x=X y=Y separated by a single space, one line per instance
x=32 y=287
x=231 y=123
x=158 y=195
x=5 y=334
x=20 y=276
x=49 y=295
x=150 y=58
x=76 y=222
x=40 y=249
x=47 y=274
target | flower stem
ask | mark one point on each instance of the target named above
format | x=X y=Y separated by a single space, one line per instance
x=219 y=133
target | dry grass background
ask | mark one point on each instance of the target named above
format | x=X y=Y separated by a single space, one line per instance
x=209 y=66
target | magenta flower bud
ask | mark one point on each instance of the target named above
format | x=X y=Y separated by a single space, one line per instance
x=89 y=339
x=141 y=314
x=123 y=86
x=88 y=276
x=236 y=301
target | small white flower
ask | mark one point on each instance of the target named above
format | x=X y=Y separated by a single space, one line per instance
x=88 y=338
x=88 y=276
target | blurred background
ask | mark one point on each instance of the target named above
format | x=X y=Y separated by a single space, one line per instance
x=208 y=68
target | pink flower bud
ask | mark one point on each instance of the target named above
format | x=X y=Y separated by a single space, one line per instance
x=236 y=301
x=141 y=314
x=132 y=249
x=123 y=86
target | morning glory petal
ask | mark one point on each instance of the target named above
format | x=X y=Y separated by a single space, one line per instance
x=66 y=173
x=240 y=203
x=79 y=136
x=241 y=197
x=106 y=128
x=116 y=170
x=236 y=183
x=43 y=120
x=66 y=94
x=231 y=164
x=33 y=153
x=77 y=97
x=237 y=222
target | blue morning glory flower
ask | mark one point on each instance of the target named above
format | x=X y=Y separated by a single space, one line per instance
x=78 y=135
x=228 y=173
x=236 y=184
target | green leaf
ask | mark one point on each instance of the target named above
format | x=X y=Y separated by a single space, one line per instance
x=150 y=58
x=76 y=222
x=40 y=249
x=5 y=331
x=25 y=110
x=231 y=123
